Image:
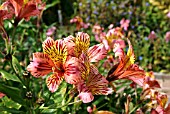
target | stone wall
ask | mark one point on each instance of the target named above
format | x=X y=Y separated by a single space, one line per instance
x=164 y=80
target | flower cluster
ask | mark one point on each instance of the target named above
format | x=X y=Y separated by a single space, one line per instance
x=71 y=59
x=112 y=37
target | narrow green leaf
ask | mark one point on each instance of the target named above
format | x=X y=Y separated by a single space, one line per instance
x=13 y=93
x=16 y=65
x=11 y=110
x=48 y=111
x=52 y=4
x=9 y=76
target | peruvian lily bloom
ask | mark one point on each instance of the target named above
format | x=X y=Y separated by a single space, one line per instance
x=125 y=24
x=93 y=83
x=79 y=23
x=97 y=29
x=80 y=44
x=5 y=12
x=25 y=9
x=55 y=59
x=113 y=36
x=126 y=69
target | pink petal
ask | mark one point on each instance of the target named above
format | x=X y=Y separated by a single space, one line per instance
x=105 y=42
x=72 y=73
x=86 y=97
x=97 y=52
x=41 y=65
x=69 y=41
x=118 y=51
x=53 y=82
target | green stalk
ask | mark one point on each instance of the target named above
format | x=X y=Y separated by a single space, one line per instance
x=17 y=74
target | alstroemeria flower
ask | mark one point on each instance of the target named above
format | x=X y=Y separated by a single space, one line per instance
x=79 y=23
x=113 y=36
x=55 y=59
x=125 y=24
x=93 y=83
x=51 y=31
x=126 y=69
x=97 y=29
x=5 y=12
x=25 y=9
x=80 y=44
x=114 y=33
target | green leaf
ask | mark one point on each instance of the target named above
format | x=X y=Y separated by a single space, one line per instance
x=16 y=65
x=11 y=110
x=13 y=93
x=48 y=111
x=9 y=76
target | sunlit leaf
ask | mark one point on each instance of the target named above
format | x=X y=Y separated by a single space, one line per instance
x=9 y=76
x=16 y=65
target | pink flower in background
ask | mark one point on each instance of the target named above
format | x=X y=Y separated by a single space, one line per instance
x=167 y=36
x=25 y=9
x=152 y=35
x=6 y=12
x=120 y=42
x=168 y=15
x=114 y=33
x=118 y=51
x=79 y=23
x=51 y=31
x=100 y=37
x=1 y=95
x=125 y=24
x=97 y=29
